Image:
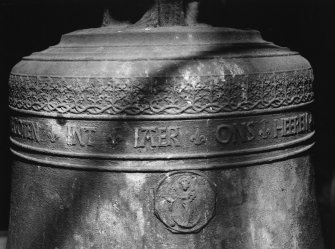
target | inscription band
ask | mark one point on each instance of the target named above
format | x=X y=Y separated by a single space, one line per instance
x=161 y=140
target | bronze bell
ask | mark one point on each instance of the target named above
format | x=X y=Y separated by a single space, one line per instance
x=163 y=134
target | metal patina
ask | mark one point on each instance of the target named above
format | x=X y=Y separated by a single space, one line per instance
x=162 y=134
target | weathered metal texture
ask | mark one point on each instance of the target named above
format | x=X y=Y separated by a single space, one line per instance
x=264 y=206
x=142 y=137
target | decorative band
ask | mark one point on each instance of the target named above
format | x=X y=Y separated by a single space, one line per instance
x=156 y=96
x=160 y=140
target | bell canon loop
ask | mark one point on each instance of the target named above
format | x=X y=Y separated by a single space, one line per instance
x=162 y=134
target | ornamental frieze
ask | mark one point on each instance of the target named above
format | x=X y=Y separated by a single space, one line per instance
x=160 y=95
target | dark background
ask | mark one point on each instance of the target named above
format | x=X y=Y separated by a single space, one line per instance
x=306 y=26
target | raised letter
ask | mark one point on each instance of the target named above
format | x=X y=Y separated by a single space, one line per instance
x=174 y=135
x=223 y=133
x=74 y=135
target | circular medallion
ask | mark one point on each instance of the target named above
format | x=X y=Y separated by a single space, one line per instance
x=185 y=201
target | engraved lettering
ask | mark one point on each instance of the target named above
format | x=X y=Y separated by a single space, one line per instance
x=297 y=125
x=157 y=137
x=136 y=138
x=174 y=135
x=250 y=131
x=302 y=122
x=293 y=125
x=162 y=137
x=89 y=131
x=79 y=135
x=146 y=135
x=239 y=134
x=236 y=133
x=74 y=135
x=224 y=133
x=286 y=129
x=278 y=127
x=310 y=121
x=25 y=129
x=244 y=132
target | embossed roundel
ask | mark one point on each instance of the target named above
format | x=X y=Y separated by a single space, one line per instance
x=185 y=201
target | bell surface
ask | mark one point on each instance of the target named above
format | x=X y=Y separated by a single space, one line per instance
x=162 y=137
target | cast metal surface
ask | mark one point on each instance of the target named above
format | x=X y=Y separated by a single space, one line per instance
x=162 y=134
